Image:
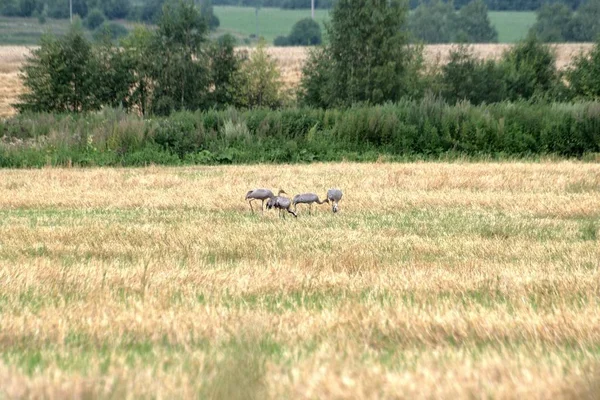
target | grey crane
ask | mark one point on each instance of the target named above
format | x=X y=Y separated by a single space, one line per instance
x=334 y=196
x=307 y=198
x=260 y=194
x=281 y=203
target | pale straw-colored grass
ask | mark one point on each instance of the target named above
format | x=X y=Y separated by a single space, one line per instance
x=434 y=280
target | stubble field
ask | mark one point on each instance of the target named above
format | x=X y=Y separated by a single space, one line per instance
x=434 y=280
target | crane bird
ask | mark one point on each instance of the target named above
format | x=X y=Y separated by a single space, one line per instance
x=281 y=203
x=334 y=196
x=260 y=194
x=307 y=198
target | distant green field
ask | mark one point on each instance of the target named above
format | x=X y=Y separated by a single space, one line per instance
x=272 y=22
x=241 y=21
x=25 y=31
x=512 y=25
x=28 y=31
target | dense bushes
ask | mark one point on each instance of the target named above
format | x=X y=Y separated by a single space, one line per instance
x=556 y=22
x=158 y=71
x=366 y=59
x=406 y=130
x=437 y=22
x=305 y=32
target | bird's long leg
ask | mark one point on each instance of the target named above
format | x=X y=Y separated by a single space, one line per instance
x=262 y=206
x=309 y=208
x=250 y=202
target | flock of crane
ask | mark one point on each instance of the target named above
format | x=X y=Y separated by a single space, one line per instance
x=285 y=204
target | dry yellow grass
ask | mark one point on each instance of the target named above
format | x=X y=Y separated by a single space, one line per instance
x=434 y=281
x=290 y=60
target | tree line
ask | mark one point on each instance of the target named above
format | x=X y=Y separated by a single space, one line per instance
x=557 y=22
x=148 y=11
x=172 y=67
x=496 y=5
x=366 y=61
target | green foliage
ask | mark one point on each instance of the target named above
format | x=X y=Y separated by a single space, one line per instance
x=305 y=32
x=474 y=24
x=465 y=77
x=206 y=10
x=281 y=41
x=437 y=22
x=116 y=9
x=94 y=19
x=112 y=30
x=225 y=70
x=530 y=70
x=136 y=48
x=260 y=84
x=114 y=75
x=181 y=72
x=42 y=16
x=60 y=76
x=554 y=23
x=584 y=75
x=429 y=128
x=60 y=8
x=151 y=10
x=434 y=22
x=179 y=135
x=317 y=75
x=26 y=7
x=367 y=56
x=585 y=26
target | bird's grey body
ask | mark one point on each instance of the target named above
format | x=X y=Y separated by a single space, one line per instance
x=334 y=196
x=260 y=194
x=307 y=198
x=281 y=203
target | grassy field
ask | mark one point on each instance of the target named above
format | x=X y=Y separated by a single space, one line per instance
x=512 y=26
x=433 y=281
x=241 y=21
x=272 y=22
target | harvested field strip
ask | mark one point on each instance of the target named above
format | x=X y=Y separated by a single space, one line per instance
x=433 y=280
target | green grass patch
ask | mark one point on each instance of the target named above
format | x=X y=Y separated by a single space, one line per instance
x=512 y=26
x=272 y=22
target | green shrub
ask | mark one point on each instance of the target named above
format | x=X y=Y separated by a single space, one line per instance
x=281 y=41
x=94 y=19
x=60 y=75
x=465 y=77
x=584 y=75
x=305 y=32
x=409 y=129
x=180 y=134
x=530 y=70
x=113 y=30
x=260 y=84
x=116 y=9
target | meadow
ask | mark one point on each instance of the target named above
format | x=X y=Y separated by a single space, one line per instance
x=241 y=22
x=445 y=280
x=512 y=26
